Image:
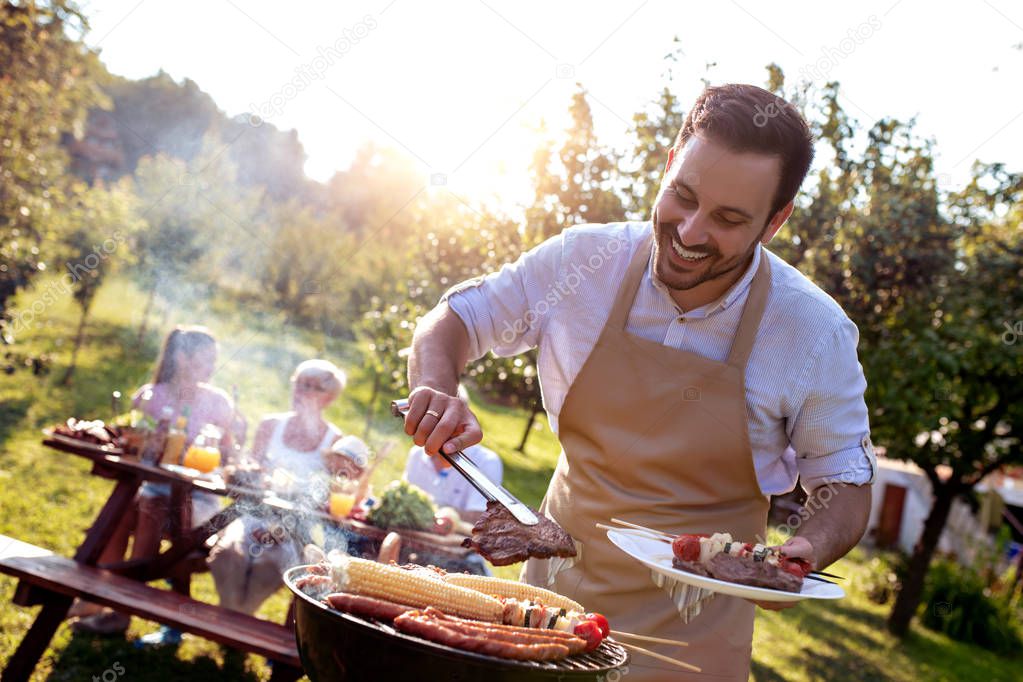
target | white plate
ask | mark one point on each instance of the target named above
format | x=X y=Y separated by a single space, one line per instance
x=658 y=555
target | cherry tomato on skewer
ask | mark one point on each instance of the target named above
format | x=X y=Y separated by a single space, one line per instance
x=601 y=621
x=796 y=566
x=687 y=547
x=590 y=632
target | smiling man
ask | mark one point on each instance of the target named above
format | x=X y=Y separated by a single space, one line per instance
x=689 y=373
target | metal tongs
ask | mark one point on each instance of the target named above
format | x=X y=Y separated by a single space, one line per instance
x=468 y=469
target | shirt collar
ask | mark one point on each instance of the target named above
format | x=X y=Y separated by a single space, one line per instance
x=736 y=292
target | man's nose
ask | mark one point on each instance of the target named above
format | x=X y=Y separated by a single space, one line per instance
x=692 y=230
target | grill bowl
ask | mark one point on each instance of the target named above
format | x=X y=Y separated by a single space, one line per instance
x=338 y=646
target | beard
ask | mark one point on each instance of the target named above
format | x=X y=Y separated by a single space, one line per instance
x=714 y=266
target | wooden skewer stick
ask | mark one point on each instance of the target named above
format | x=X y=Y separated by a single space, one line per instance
x=642 y=533
x=648 y=530
x=661 y=657
x=648 y=638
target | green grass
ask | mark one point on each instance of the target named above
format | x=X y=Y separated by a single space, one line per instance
x=49 y=499
x=847 y=640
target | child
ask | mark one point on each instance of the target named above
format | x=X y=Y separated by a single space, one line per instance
x=186 y=363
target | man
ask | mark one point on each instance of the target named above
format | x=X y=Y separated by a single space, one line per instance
x=444 y=485
x=689 y=374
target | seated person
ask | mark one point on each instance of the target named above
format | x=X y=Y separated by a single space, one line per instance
x=445 y=485
x=186 y=363
x=255 y=549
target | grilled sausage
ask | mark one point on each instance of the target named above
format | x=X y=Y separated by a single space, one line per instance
x=367 y=607
x=419 y=624
x=576 y=645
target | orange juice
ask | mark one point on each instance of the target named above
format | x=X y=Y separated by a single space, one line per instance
x=341 y=504
x=205 y=459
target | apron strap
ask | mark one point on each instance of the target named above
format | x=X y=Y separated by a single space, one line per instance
x=630 y=284
x=752 y=311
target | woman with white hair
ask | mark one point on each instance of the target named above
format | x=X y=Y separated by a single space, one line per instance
x=254 y=550
x=295 y=440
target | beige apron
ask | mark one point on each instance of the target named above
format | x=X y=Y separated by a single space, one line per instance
x=658 y=436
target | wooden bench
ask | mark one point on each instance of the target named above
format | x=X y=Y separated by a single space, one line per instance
x=60 y=580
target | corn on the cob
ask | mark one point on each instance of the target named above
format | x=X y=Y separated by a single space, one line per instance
x=500 y=587
x=414 y=588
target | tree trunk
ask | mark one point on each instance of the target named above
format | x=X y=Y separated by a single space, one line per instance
x=909 y=596
x=1018 y=580
x=372 y=404
x=529 y=426
x=79 y=337
x=145 y=313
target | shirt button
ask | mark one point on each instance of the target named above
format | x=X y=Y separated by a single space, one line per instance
x=681 y=318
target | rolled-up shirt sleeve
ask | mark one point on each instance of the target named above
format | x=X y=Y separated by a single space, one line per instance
x=830 y=433
x=505 y=311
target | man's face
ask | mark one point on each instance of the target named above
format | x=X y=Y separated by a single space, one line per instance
x=713 y=208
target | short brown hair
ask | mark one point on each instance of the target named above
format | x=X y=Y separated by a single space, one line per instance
x=746 y=118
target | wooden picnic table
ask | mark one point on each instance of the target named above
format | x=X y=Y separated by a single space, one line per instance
x=109 y=463
x=186 y=555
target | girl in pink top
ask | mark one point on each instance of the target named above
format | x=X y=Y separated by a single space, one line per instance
x=186 y=363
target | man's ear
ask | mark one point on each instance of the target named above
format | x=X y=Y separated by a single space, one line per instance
x=776 y=222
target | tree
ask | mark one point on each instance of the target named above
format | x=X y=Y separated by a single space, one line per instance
x=384 y=332
x=159 y=116
x=962 y=363
x=577 y=187
x=199 y=225
x=302 y=260
x=930 y=283
x=102 y=221
x=654 y=132
x=49 y=80
x=573 y=187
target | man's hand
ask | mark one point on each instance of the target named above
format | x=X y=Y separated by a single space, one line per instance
x=837 y=517
x=436 y=420
x=797 y=548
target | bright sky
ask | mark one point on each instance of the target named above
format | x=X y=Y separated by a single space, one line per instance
x=462 y=86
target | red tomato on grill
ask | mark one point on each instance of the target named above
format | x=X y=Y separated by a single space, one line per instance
x=601 y=621
x=590 y=632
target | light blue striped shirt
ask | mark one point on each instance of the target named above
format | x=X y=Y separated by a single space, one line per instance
x=804 y=384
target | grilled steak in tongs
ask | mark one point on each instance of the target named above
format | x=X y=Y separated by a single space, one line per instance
x=501 y=539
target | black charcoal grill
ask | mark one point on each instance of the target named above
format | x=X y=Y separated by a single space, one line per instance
x=337 y=646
